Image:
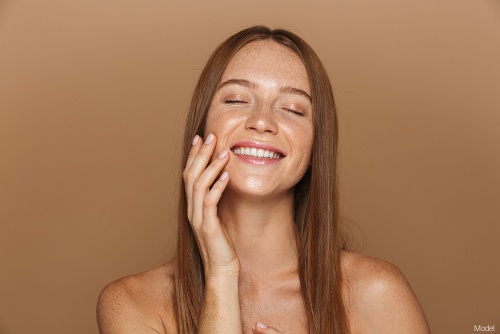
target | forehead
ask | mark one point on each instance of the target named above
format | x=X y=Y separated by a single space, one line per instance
x=266 y=62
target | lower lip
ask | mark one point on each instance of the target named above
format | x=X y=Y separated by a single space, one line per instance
x=257 y=161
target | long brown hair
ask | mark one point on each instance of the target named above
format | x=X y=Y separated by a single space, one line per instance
x=315 y=196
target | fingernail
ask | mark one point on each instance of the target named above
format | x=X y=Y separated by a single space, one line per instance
x=223 y=154
x=223 y=177
x=261 y=325
x=209 y=139
x=195 y=140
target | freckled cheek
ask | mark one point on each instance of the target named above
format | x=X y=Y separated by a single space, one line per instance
x=305 y=146
x=306 y=156
x=301 y=137
x=222 y=127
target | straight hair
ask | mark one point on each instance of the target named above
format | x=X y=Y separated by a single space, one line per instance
x=316 y=212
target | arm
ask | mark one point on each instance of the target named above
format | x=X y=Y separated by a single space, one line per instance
x=132 y=304
x=221 y=307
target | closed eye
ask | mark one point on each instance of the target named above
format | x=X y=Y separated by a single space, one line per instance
x=298 y=113
x=234 y=101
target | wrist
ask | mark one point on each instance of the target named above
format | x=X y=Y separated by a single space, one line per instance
x=223 y=273
x=222 y=278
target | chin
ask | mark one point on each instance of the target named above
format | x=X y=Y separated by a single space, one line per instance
x=253 y=187
x=250 y=185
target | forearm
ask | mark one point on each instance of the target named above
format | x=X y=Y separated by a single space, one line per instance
x=220 y=312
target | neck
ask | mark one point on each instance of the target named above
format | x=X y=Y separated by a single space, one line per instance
x=262 y=231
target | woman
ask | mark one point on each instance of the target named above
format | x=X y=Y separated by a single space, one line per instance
x=259 y=248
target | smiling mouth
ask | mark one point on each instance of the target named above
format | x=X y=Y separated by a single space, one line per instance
x=256 y=152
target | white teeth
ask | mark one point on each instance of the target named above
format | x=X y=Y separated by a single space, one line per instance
x=254 y=152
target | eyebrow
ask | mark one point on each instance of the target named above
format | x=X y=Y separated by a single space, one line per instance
x=253 y=85
x=293 y=90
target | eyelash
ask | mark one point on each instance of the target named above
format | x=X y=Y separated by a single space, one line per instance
x=295 y=112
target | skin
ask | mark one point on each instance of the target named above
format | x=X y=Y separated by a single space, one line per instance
x=244 y=224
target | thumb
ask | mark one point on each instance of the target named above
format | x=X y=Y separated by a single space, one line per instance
x=260 y=328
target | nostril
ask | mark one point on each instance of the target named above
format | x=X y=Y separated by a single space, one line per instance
x=262 y=121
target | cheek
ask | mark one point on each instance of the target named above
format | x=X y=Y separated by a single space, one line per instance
x=309 y=146
x=216 y=126
x=211 y=123
x=301 y=135
x=222 y=125
x=222 y=122
x=306 y=143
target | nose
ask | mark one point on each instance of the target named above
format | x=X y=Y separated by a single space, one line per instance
x=262 y=120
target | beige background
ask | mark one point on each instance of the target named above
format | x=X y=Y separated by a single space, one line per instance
x=92 y=103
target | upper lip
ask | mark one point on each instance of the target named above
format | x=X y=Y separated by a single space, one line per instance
x=255 y=144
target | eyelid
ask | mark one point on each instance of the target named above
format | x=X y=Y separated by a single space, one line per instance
x=296 y=112
x=234 y=101
x=234 y=97
x=294 y=108
x=294 y=105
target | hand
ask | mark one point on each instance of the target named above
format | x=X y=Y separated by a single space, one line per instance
x=203 y=195
x=263 y=329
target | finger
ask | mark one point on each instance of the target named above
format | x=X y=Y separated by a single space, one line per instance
x=201 y=187
x=195 y=147
x=212 y=237
x=260 y=328
x=212 y=199
x=199 y=159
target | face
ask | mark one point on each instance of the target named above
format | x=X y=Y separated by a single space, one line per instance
x=262 y=114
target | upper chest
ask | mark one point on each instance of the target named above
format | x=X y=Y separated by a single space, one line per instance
x=278 y=305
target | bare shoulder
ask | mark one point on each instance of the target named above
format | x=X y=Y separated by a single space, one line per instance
x=379 y=298
x=139 y=303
